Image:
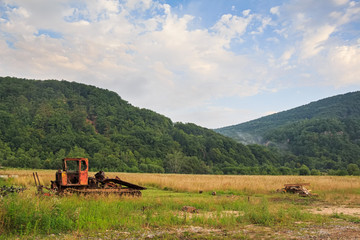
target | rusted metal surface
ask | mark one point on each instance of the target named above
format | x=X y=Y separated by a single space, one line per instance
x=40 y=188
x=120 y=182
x=75 y=172
x=73 y=178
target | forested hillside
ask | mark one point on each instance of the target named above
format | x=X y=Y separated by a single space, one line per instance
x=323 y=135
x=341 y=106
x=42 y=122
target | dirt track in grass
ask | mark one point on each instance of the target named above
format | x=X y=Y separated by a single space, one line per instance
x=338 y=229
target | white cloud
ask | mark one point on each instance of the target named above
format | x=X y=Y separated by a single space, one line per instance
x=275 y=10
x=314 y=45
x=341 y=65
x=314 y=40
x=340 y=2
x=286 y=56
x=246 y=12
x=352 y=13
x=230 y=26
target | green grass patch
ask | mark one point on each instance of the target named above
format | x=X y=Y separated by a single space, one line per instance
x=345 y=217
x=29 y=215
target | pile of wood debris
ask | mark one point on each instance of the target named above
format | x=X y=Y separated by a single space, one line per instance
x=297 y=188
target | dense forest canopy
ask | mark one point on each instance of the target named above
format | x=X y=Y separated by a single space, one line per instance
x=42 y=122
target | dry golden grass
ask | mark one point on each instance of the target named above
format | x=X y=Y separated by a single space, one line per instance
x=252 y=184
x=194 y=183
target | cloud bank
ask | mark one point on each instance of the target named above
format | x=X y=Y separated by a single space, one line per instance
x=156 y=55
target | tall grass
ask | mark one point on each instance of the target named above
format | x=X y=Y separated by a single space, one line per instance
x=25 y=215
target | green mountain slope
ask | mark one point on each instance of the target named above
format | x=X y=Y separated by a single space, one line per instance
x=341 y=106
x=321 y=135
x=42 y=122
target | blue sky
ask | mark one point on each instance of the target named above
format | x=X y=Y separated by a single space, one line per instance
x=210 y=62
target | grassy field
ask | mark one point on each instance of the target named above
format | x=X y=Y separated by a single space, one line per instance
x=243 y=207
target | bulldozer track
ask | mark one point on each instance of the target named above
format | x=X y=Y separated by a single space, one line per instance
x=105 y=191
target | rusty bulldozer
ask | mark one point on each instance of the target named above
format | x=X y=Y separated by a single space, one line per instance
x=73 y=178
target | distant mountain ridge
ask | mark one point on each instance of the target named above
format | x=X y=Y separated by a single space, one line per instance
x=340 y=106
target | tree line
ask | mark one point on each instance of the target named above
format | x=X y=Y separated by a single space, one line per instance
x=42 y=122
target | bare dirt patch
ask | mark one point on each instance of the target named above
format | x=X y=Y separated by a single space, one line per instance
x=330 y=210
x=338 y=229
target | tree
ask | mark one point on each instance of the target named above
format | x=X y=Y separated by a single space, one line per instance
x=174 y=162
x=315 y=172
x=193 y=165
x=304 y=170
x=353 y=169
x=78 y=152
x=285 y=170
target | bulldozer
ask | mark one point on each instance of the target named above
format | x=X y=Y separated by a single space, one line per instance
x=73 y=178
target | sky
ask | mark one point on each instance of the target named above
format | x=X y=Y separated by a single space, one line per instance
x=209 y=62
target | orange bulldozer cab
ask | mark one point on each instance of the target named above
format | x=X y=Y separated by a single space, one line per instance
x=74 y=172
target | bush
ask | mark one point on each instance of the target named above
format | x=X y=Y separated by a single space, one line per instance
x=315 y=172
x=353 y=169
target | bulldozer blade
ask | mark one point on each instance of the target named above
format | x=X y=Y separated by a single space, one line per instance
x=127 y=184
